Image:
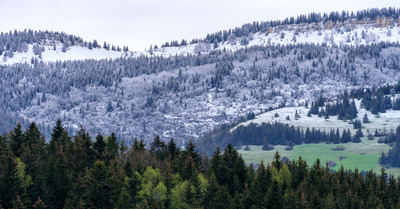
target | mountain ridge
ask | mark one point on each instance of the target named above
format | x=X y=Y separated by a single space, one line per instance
x=185 y=95
x=59 y=45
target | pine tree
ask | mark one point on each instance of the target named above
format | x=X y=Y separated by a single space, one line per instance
x=365 y=118
x=172 y=149
x=57 y=132
x=99 y=147
x=133 y=187
x=277 y=163
x=58 y=180
x=190 y=150
x=83 y=154
x=99 y=188
x=357 y=124
x=274 y=196
x=235 y=172
x=218 y=167
x=33 y=136
x=189 y=169
x=33 y=154
x=10 y=182
x=16 y=140
x=110 y=107
x=112 y=147
x=217 y=196
x=261 y=184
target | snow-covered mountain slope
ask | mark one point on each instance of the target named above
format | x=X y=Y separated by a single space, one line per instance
x=184 y=97
x=352 y=33
x=51 y=54
x=387 y=121
x=154 y=92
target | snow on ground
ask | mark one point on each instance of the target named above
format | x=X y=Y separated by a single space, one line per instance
x=73 y=53
x=361 y=34
x=386 y=122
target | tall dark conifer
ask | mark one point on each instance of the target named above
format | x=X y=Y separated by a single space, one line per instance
x=99 y=147
x=10 y=182
x=16 y=140
x=57 y=132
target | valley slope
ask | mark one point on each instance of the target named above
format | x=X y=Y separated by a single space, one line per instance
x=184 y=91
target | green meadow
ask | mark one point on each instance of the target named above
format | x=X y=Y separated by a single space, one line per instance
x=364 y=156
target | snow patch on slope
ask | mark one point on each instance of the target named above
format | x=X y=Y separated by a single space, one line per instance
x=75 y=52
x=360 y=35
x=388 y=121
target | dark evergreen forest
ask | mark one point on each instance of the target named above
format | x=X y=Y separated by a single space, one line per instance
x=76 y=171
x=66 y=167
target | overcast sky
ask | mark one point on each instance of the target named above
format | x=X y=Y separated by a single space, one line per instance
x=138 y=24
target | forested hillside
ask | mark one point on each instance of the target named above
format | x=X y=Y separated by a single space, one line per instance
x=25 y=46
x=161 y=128
x=183 y=90
x=178 y=96
x=78 y=171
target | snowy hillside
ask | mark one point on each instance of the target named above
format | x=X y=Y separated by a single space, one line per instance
x=388 y=121
x=346 y=34
x=185 y=96
x=185 y=90
x=73 y=53
x=350 y=33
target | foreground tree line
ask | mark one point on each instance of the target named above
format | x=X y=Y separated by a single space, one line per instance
x=77 y=172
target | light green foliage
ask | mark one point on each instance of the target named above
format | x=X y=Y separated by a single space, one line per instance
x=177 y=194
x=285 y=175
x=274 y=173
x=281 y=176
x=153 y=188
x=160 y=192
x=26 y=179
x=177 y=178
x=184 y=189
x=151 y=176
x=203 y=184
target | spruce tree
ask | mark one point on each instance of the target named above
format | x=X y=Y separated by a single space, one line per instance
x=99 y=186
x=190 y=150
x=274 y=196
x=112 y=147
x=365 y=118
x=10 y=183
x=133 y=187
x=16 y=140
x=57 y=132
x=99 y=147
x=172 y=148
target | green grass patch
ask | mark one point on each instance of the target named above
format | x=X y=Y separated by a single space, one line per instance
x=364 y=155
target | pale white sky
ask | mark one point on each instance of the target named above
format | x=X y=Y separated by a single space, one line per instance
x=138 y=24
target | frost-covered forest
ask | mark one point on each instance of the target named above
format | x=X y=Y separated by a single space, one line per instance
x=185 y=96
x=184 y=92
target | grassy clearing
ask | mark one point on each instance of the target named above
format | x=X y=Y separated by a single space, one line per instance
x=364 y=155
